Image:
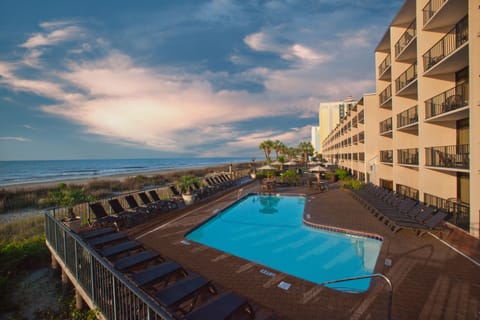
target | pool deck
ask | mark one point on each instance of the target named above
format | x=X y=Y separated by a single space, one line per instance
x=430 y=280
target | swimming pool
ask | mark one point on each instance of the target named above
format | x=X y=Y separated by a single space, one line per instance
x=269 y=230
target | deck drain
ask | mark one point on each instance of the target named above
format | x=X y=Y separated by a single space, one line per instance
x=284 y=285
x=267 y=273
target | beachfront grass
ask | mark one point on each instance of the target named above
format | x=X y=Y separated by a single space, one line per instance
x=22 y=248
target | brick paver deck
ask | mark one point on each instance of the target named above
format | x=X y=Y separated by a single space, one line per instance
x=430 y=280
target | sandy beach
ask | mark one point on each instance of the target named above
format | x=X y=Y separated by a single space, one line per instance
x=168 y=175
x=201 y=170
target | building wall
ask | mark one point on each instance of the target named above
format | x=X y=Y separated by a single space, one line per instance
x=427 y=162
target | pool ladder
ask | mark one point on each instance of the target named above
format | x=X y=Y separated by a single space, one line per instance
x=375 y=275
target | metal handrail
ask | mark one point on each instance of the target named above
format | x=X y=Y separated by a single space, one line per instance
x=456 y=37
x=406 y=38
x=375 y=275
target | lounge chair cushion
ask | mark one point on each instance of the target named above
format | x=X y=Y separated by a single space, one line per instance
x=218 y=308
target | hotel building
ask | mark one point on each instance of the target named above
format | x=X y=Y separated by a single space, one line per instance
x=420 y=132
x=329 y=115
x=315 y=139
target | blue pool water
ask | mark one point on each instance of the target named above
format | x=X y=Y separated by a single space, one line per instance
x=269 y=230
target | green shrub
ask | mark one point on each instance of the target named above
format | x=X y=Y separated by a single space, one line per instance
x=341 y=174
x=353 y=184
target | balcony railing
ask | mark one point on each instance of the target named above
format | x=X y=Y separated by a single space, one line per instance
x=408 y=191
x=431 y=8
x=405 y=78
x=406 y=38
x=460 y=211
x=361 y=117
x=386 y=156
x=407 y=117
x=408 y=156
x=386 y=126
x=455 y=157
x=449 y=43
x=386 y=95
x=386 y=63
x=449 y=100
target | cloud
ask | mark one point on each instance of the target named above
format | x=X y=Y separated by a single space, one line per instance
x=19 y=139
x=262 y=41
x=55 y=35
x=32 y=58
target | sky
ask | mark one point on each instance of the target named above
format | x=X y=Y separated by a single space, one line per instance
x=154 y=79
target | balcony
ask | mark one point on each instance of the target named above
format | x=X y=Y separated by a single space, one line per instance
x=361 y=137
x=456 y=157
x=406 y=46
x=450 y=54
x=386 y=127
x=361 y=117
x=386 y=97
x=460 y=211
x=386 y=156
x=361 y=156
x=408 y=157
x=442 y=13
x=408 y=120
x=406 y=83
x=355 y=157
x=355 y=122
x=384 y=69
x=355 y=139
x=449 y=105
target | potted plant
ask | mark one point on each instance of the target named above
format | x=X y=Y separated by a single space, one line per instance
x=186 y=186
x=68 y=197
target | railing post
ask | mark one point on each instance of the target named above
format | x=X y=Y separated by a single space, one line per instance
x=375 y=275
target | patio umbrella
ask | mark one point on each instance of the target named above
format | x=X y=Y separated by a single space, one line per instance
x=291 y=163
x=276 y=163
x=317 y=169
x=266 y=167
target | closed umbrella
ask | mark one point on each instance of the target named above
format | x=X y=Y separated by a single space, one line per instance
x=266 y=167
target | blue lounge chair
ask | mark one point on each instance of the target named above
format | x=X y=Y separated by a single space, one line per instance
x=129 y=262
x=182 y=290
x=156 y=273
x=120 y=248
x=221 y=307
x=107 y=239
x=97 y=233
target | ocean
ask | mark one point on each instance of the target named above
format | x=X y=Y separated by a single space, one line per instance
x=21 y=172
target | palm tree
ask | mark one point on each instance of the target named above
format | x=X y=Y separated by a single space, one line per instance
x=306 y=149
x=291 y=152
x=278 y=146
x=266 y=146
